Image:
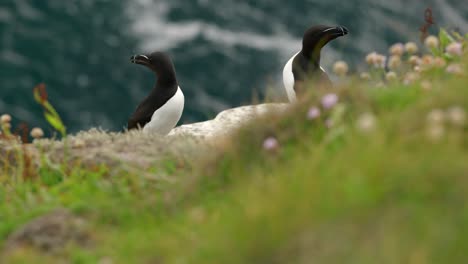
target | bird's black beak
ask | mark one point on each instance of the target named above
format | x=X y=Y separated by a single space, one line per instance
x=140 y=59
x=336 y=32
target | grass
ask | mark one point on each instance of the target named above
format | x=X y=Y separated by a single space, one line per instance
x=378 y=185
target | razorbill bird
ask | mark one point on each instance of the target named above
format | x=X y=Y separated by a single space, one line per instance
x=160 y=111
x=305 y=65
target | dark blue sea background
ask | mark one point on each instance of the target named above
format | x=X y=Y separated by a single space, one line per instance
x=226 y=52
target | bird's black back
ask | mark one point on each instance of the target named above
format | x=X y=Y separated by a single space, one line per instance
x=157 y=98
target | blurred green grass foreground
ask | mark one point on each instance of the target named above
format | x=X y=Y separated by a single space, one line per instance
x=373 y=171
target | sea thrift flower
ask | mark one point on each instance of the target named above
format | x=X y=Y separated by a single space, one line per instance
x=380 y=84
x=439 y=62
x=6 y=118
x=427 y=60
x=380 y=61
x=391 y=76
x=456 y=115
x=436 y=116
x=37 y=133
x=370 y=58
x=411 y=47
x=455 y=69
x=410 y=77
x=270 y=144
x=340 y=68
x=313 y=113
x=106 y=260
x=365 y=76
x=426 y=85
x=394 y=62
x=455 y=49
x=431 y=42
x=366 y=122
x=397 y=49
x=414 y=60
x=435 y=132
x=376 y=60
x=329 y=100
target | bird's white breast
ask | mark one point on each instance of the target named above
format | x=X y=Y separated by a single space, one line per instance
x=165 y=118
x=288 y=79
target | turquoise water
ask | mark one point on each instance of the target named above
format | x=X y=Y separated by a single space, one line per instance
x=225 y=52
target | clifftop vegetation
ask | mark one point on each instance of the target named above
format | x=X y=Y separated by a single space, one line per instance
x=372 y=171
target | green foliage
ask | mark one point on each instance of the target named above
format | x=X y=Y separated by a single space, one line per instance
x=385 y=182
x=51 y=115
x=445 y=39
x=5 y=129
x=50 y=176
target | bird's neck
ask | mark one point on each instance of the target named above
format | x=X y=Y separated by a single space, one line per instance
x=312 y=47
x=166 y=79
x=311 y=58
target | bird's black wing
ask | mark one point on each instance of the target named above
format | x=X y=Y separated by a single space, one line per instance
x=141 y=116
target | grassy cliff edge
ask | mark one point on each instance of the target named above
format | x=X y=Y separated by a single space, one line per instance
x=368 y=172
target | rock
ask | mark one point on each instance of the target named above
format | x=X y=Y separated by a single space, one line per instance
x=119 y=150
x=49 y=233
x=136 y=149
x=228 y=121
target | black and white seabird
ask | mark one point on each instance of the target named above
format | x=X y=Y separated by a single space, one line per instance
x=160 y=111
x=305 y=65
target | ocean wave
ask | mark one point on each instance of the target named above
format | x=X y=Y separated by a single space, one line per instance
x=153 y=28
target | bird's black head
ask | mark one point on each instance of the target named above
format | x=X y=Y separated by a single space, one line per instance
x=158 y=62
x=316 y=37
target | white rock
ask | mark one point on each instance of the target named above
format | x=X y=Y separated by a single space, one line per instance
x=228 y=121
